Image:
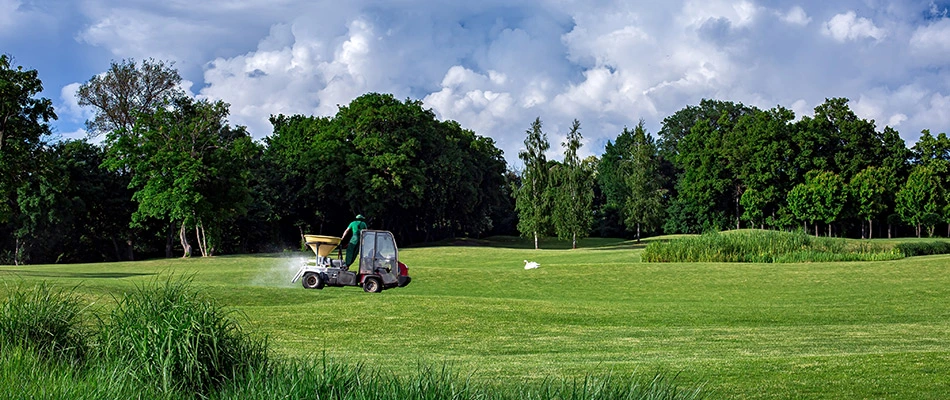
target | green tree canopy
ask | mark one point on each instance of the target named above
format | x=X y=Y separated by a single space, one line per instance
x=187 y=167
x=867 y=189
x=127 y=89
x=532 y=198
x=643 y=208
x=572 y=191
x=921 y=197
x=390 y=160
x=27 y=181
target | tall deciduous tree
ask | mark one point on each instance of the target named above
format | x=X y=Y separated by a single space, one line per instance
x=391 y=161
x=836 y=140
x=187 y=167
x=920 y=197
x=820 y=198
x=694 y=140
x=532 y=203
x=24 y=121
x=930 y=148
x=572 y=191
x=126 y=90
x=703 y=190
x=759 y=151
x=643 y=208
x=611 y=179
x=867 y=189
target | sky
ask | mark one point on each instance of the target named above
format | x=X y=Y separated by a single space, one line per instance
x=494 y=66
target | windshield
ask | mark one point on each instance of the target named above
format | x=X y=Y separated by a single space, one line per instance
x=378 y=251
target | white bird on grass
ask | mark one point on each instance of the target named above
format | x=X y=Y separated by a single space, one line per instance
x=530 y=264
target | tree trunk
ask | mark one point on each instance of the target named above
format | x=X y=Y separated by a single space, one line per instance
x=638 y=232
x=16 y=252
x=118 y=253
x=574 y=241
x=536 y=240
x=183 y=236
x=169 y=239
x=816 y=230
x=202 y=246
x=870 y=229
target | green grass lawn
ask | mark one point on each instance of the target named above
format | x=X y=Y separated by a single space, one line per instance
x=816 y=330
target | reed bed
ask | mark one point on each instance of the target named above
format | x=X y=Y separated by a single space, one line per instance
x=768 y=247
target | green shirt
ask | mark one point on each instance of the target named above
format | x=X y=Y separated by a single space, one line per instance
x=355 y=228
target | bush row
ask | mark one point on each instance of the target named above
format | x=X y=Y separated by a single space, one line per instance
x=166 y=341
x=767 y=247
x=911 y=249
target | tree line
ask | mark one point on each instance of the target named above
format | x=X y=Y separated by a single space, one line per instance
x=170 y=176
x=724 y=165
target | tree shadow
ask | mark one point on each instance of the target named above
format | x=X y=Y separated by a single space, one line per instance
x=514 y=242
x=81 y=275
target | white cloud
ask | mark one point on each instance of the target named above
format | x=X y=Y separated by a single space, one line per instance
x=931 y=43
x=740 y=14
x=895 y=120
x=847 y=26
x=495 y=65
x=69 y=106
x=474 y=100
x=795 y=16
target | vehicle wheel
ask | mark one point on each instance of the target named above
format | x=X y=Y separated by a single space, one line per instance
x=311 y=280
x=372 y=285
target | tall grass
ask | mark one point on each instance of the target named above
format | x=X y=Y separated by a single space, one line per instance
x=166 y=341
x=177 y=339
x=766 y=247
x=910 y=249
x=46 y=320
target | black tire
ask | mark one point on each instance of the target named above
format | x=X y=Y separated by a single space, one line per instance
x=372 y=285
x=312 y=280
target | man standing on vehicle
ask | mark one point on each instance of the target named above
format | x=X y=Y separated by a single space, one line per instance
x=354 y=228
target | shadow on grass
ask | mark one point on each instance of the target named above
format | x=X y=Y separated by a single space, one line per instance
x=514 y=242
x=91 y=275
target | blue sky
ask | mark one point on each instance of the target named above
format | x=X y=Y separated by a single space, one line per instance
x=494 y=66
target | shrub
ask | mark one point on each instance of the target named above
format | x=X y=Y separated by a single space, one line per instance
x=765 y=247
x=45 y=320
x=172 y=337
x=911 y=249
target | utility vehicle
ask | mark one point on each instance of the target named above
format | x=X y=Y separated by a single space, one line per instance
x=379 y=267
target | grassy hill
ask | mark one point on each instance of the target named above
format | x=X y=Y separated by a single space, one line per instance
x=817 y=330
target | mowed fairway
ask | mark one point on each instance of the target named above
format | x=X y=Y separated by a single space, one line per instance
x=817 y=330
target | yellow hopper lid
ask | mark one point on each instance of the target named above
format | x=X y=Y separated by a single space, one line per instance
x=322 y=245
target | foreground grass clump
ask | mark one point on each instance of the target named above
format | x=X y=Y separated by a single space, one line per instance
x=323 y=379
x=166 y=341
x=767 y=247
x=173 y=337
x=46 y=320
